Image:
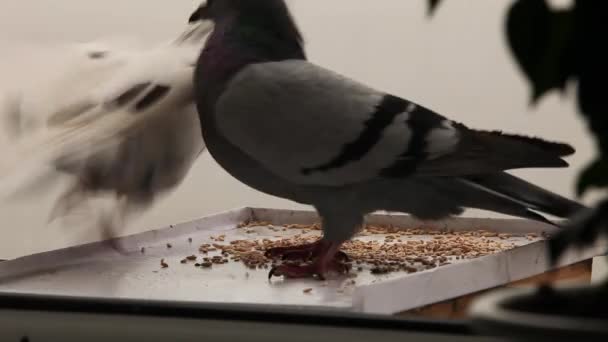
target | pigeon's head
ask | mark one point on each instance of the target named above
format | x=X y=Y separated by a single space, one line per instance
x=271 y=16
x=212 y=10
x=219 y=9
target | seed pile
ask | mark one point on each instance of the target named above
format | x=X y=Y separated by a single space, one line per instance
x=408 y=250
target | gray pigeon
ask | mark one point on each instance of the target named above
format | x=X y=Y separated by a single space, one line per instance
x=116 y=119
x=292 y=129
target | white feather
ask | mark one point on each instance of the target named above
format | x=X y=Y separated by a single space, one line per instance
x=45 y=118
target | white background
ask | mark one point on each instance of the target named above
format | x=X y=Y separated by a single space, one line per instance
x=456 y=64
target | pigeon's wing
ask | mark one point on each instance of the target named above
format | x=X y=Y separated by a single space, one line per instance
x=100 y=99
x=48 y=78
x=312 y=126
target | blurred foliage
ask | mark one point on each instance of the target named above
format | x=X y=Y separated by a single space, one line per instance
x=542 y=43
x=556 y=47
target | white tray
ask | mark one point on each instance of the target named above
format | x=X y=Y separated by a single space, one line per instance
x=96 y=270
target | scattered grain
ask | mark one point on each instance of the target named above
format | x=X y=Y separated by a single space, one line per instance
x=396 y=250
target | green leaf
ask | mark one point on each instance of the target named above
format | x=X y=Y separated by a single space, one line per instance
x=594 y=175
x=542 y=44
x=582 y=230
x=593 y=67
x=433 y=4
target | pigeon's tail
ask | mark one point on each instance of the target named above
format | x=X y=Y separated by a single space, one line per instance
x=514 y=196
x=17 y=169
x=489 y=152
x=510 y=151
x=30 y=158
x=533 y=196
x=10 y=115
x=556 y=148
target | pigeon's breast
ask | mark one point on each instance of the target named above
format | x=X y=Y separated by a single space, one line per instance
x=229 y=157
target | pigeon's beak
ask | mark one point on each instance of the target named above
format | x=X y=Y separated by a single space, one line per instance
x=196 y=16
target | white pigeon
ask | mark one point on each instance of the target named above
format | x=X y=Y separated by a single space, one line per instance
x=117 y=119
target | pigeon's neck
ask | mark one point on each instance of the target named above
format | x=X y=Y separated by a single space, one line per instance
x=234 y=44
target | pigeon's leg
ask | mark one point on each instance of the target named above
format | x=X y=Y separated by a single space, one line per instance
x=302 y=252
x=107 y=223
x=67 y=202
x=583 y=229
x=326 y=261
x=339 y=225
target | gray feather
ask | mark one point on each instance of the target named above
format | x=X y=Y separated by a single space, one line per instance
x=322 y=138
x=432 y=198
x=481 y=152
x=533 y=196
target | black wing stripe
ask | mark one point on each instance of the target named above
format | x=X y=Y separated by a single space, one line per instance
x=152 y=97
x=130 y=94
x=385 y=114
x=421 y=122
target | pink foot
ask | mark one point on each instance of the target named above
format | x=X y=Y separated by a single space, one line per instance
x=314 y=270
x=326 y=259
x=302 y=252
